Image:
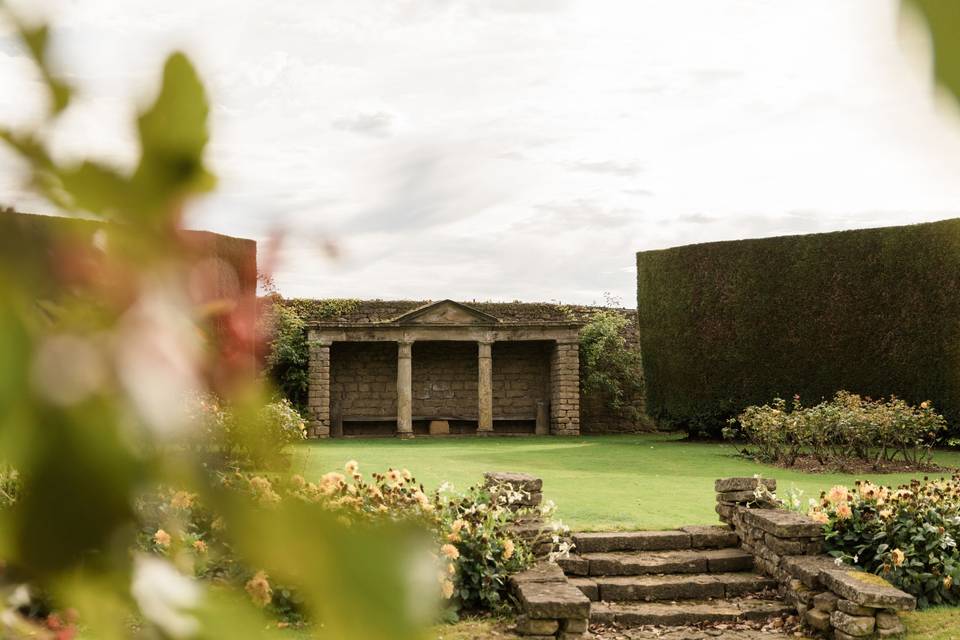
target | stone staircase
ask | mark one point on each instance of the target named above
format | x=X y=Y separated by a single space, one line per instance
x=689 y=576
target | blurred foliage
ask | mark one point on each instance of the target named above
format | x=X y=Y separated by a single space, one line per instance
x=943 y=21
x=223 y=441
x=102 y=339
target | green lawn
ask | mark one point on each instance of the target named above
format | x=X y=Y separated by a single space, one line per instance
x=650 y=481
x=600 y=482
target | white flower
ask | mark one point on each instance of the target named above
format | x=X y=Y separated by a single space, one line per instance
x=163 y=596
x=20 y=597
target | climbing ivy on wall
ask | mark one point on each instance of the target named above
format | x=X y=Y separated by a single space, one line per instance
x=287 y=362
x=610 y=368
x=327 y=309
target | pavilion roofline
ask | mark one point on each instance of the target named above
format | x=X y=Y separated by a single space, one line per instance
x=394 y=324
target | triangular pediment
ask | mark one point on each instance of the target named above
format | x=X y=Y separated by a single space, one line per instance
x=446 y=312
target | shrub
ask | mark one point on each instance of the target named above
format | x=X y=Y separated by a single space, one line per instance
x=846 y=428
x=474 y=549
x=226 y=440
x=10 y=486
x=728 y=324
x=610 y=368
x=908 y=535
x=287 y=362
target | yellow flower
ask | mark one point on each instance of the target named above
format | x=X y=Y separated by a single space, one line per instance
x=868 y=491
x=331 y=482
x=451 y=568
x=352 y=467
x=162 y=538
x=925 y=405
x=837 y=494
x=263 y=490
x=423 y=500
x=897 y=557
x=258 y=587
x=200 y=546
x=886 y=514
x=844 y=511
x=508 y=549
x=181 y=500
x=450 y=551
x=298 y=481
x=447 y=589
x=948 y=583
x=394 y=477
x=406 y=475
x=819 y=516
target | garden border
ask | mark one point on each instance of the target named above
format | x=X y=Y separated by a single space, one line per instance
x=831 y=598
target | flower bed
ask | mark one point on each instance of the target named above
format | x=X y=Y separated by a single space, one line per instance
x=474 y=546
x=846 y=432
x=907 y=535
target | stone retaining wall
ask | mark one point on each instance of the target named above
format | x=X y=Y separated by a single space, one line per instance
x=549 y=606
x=837 y=601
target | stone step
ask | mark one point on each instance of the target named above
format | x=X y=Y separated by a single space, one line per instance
x=697 y=586
x=692 y=537
x=687 y=612
x=636 y=563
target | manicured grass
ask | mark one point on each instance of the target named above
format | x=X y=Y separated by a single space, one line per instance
x=941 y=623
x=650 y=481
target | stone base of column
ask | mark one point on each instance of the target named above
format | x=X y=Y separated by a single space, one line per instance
x=318 y=430
x=484 y=432
x=405 y=435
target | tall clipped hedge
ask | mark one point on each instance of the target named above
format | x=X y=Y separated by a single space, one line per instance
x=728 y=324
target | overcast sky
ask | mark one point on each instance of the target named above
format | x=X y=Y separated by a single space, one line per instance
x=513 y=149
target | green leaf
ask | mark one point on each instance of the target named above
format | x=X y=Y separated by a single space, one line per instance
x=95 y=188
x=36 y=40
x=173 y=135
x=943 y=20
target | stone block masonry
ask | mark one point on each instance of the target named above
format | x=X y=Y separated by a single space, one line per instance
x=521 y=377
x=565 y=389
x=445 y=379
x=452 y=363
x=523 y=339
x=550 y=606
x=318 y=396
x=836 y=601
x=364 y=378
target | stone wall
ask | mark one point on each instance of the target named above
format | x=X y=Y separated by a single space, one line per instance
x=445 y=379
x=364 y=378
x=595 y=416
x=565 y=389
x=521 y=377
x=549 y=605
x=837 y=601
x=318 y=397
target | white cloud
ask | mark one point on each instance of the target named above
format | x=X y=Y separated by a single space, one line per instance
x=516 y=148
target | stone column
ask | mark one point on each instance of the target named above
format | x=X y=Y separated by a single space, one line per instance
x=565 y=389
x=318 y=389
x=485 y=388
x=405 y=389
